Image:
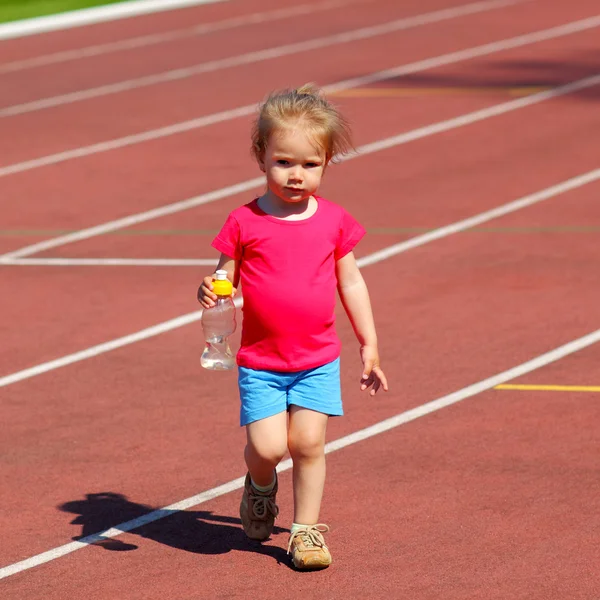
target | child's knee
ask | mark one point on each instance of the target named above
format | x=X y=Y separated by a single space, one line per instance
x=271 y=451
x=306 y=444
x=267 y=439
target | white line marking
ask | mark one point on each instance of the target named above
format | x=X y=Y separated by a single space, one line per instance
x=243 y=111
x=89 y=16
x=110 y=262
x=252 y=57
x=365 y=261
x=358 y=436
x=403 y=138
x=171 y=36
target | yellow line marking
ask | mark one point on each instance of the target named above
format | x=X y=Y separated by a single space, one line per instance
x=550 y=388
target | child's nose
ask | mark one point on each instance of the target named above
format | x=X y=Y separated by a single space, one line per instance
x=296 y=173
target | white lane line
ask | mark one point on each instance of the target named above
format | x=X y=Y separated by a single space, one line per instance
x=110 y=262
x=250 y=109
x=365 y=261
x=253 y=57
x=358 y=436
x=90 y=16
x=397 y=140
x=173 y=35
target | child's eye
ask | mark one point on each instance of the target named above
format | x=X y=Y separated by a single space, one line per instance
x=312 y=165
x=282 y=162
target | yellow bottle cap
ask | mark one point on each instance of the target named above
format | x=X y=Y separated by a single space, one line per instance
x=221 y=285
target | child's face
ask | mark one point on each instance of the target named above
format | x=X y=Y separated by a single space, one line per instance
x=293 y=164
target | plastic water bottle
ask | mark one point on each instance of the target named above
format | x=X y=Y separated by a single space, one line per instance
x=218 y=323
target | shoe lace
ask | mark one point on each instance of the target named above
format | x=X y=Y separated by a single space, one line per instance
x=312 y=536
x=261 y=505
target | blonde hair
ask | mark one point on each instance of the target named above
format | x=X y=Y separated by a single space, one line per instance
x=307 y=107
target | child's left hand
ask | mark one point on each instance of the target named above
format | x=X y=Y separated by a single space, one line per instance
x=372 y=373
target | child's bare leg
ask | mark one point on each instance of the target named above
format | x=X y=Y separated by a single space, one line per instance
x=306 y=443
x=267 y=444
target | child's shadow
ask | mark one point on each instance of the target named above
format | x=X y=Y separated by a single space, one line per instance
x=192 y=531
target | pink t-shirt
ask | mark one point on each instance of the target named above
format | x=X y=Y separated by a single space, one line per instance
x=287 y=271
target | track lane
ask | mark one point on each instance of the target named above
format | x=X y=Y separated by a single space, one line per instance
x=102 y=33
x=180 y=101
x=103 y=70
x=166 y=37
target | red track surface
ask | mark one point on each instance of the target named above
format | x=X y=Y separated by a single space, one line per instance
x=496 y=497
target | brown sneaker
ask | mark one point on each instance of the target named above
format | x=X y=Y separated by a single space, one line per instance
x=258 y=510
x=308 y=548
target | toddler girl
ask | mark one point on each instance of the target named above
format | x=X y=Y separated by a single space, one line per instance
x=291 y=249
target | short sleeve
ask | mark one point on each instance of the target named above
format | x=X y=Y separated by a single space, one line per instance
x=228 y=240
x=351 y=232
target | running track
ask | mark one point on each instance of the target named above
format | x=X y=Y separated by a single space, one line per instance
x=487 y=493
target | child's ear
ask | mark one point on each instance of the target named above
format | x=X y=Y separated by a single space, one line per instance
x=261 y=164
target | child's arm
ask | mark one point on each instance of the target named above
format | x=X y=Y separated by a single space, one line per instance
x=355 y=298
x=206 y=297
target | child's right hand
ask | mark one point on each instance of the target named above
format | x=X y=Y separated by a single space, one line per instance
x=206 y=296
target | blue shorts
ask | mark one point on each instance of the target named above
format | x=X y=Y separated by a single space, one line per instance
x=267 y=393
